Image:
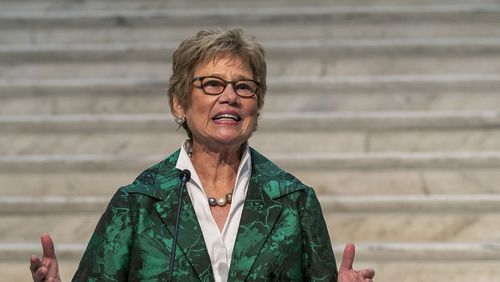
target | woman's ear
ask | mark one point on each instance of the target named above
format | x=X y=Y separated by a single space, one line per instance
x=177 y=107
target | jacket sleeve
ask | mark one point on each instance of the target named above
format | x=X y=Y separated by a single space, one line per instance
x=319 y=259
x=108 y=252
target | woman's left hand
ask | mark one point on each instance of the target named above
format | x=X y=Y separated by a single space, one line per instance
x=347 y=274
x=47 y=268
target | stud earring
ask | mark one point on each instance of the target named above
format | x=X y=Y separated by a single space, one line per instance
x=180 y=120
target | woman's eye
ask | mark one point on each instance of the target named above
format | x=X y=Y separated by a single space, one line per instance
x=213 y=83
x=245 y=86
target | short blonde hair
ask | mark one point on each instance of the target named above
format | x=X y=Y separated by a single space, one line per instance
x=206 y=45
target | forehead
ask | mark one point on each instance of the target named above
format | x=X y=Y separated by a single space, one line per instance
x=224 y=65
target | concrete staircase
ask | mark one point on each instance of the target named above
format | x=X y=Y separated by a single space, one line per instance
x=388 y=108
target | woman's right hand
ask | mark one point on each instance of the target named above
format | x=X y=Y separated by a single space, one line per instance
x=47 y=268
x=347 y=274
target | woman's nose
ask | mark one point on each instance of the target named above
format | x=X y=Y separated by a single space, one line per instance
x=229 y=94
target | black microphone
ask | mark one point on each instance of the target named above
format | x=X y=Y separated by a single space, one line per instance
x=184 y=175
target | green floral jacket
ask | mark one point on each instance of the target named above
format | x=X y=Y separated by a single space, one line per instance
x=282 y=234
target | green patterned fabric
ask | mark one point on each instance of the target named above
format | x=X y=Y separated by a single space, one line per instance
x=282 y=235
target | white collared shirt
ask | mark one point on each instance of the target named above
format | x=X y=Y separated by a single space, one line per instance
x=219 y=244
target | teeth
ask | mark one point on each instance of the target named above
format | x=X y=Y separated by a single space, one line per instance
x=227 y=116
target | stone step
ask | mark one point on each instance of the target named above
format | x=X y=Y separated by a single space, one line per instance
x=311 y=161
x=416 y=262
x=403 y=218
x=284 y=59
x=18 y=271
x=316 y=142
x=270 y=121
x=328 y=173
x=247 y=15
x=59 y=5
x=354 y=29
x=296 y=93
x=339 y=182
x=307 y=132
x=386 y=227
x=435 y=271
x=275 y=49
x=397 y=218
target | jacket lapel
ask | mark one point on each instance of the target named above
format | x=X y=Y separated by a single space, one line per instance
x=190 y=242
x=258 y=219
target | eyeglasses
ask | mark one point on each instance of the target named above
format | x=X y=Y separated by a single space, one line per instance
x=212 y=85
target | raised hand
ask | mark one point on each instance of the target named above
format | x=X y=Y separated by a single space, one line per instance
x=347 y=274
x=47 y=268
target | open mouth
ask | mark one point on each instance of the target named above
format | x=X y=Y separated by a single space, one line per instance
x=226 y=116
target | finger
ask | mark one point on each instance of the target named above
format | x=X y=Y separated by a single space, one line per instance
x=347 y=257
x=40 y=274
x=367 y=273
x=47 y=246
x=35 y=263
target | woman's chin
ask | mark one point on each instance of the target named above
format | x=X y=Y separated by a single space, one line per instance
x=230 y=140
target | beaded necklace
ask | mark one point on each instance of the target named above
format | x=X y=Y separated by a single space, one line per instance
x=221 y=202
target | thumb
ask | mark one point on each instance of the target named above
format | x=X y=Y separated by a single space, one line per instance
x=347 y=258
x=47 y=246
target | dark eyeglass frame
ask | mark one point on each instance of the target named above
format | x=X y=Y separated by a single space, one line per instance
x=226 y=82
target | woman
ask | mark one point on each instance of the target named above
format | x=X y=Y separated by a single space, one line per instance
x=242 y=218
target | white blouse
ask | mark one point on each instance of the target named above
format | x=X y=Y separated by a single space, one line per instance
x=219 y=244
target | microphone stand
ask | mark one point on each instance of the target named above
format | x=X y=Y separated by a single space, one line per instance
x=185 y=175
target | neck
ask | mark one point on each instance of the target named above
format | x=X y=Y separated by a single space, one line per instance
x=217 y=169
